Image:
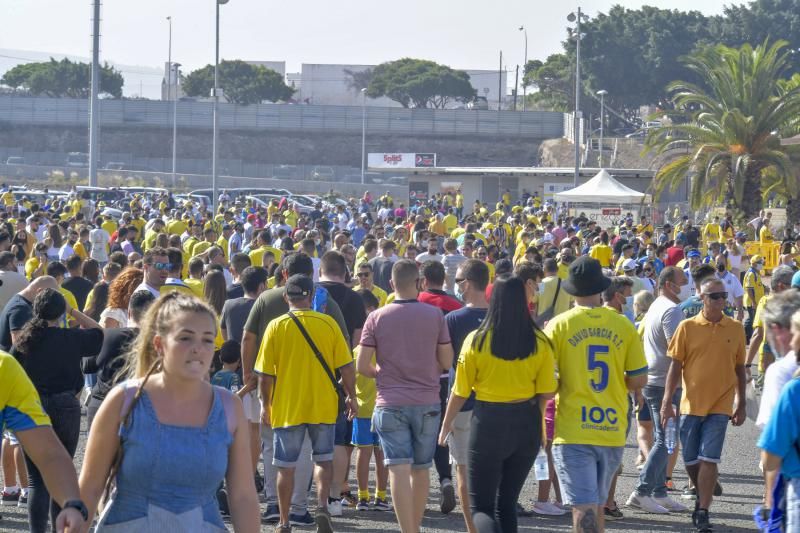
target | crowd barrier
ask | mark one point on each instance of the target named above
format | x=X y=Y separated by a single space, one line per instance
x=770 y=251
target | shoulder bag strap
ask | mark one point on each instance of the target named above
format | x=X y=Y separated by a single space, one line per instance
x=555 y=298
x=316 y=351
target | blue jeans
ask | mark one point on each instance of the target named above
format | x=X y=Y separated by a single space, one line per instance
x=653 y=477
x=408 y=433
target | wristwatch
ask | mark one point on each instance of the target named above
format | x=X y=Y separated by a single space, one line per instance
x=79 y=505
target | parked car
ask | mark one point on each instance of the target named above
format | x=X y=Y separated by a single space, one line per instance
x=323 y=174
x=77 y=159
x=15 y=160
x=480 y=103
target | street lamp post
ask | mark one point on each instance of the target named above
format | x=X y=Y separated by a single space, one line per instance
x=215 y=133
x=363 y=133
x=577 y=17
x=602 y=94
x=170 y=68
x=524 y=87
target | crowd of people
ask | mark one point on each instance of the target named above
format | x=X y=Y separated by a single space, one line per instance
x=205 y=348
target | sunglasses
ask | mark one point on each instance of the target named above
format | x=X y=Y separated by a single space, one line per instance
x=162 y=266
x=648 y=271
x=717 y=295
x=363 y=274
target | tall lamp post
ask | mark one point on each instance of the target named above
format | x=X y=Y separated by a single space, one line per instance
x=524 y=87
x=94 y=101
x=170 y=74
x=577 y=17
x=215 y=134
x=363 y=134
x=602 y=94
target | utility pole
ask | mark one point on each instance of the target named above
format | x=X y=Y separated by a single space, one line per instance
x=94 y=102
x=500 y=84
x=516 y=89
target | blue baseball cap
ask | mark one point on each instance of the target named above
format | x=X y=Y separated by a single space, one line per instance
x=796 y=280
x=693 y=253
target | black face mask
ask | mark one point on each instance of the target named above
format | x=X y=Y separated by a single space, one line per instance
x=721 y=268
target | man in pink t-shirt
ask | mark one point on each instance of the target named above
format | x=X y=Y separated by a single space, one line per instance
x=411 y=344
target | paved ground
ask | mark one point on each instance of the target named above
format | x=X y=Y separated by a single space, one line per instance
x=731 y=512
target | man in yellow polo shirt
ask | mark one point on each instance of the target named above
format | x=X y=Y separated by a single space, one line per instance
x=365 y=281
x=600 y=359
x=753 y=292
x=264 y=242
x=299 y=393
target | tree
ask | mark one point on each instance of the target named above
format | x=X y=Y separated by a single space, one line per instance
x=241 y=82
x=63 y=78
x=357 y=79
x=634 y=54
x=554 y=80
x=420 y=83
x=731 y=140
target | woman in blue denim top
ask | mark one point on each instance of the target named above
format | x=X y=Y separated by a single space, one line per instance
x=167 y=438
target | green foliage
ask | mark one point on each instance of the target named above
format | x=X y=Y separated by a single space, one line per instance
x=420 y=83
x=727 y=136
x=241 y=82
x=554 y=80
x=62 y=78
x=357 y=79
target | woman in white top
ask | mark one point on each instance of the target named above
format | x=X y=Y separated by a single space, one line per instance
x=115 y=315
x=99 y=239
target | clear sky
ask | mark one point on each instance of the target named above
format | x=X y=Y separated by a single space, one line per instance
x=134 y=32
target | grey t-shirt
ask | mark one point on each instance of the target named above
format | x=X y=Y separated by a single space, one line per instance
x=234 y=316
x=660 y=323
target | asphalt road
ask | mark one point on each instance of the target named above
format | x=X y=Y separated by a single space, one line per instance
x=731 y=512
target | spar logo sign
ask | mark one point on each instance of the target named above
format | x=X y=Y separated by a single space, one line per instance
x=400 y=160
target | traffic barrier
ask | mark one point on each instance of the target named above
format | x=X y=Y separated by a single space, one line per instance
x=770 y=251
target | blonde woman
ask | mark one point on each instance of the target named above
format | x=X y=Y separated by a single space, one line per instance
x=167 y=437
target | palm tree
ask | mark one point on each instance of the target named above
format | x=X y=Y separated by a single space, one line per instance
x=730 y=148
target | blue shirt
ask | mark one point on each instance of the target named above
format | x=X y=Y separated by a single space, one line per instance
x=461 y=323
x=781 y=435
x=227 y=380
x=692 y=307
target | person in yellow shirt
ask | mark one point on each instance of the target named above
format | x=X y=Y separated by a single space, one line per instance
x=297 y=388
x=602 y=251
x=600 y=359
x=437 y=226
x=366 y=282
x=109 y=225
x=627 y=253
x=507 y=198
x=139 y=223
x=8 y=198
x=643 y=226
x=565 y=259
x=264 y=241
x=450 y=222
x=195 y=279
x=459 y=204
x=210 y=237
x=712 y=232
x=36 y=265
x=176 y=226
x=222 y=242
x=753 y=292
x=765 y=234
x=522 y=246
x=152 y=234
x=81 y=247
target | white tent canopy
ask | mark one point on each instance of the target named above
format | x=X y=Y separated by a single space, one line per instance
x=603 y=189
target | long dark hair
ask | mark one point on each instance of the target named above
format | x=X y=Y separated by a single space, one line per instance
x=514 y=335
x=48 y=305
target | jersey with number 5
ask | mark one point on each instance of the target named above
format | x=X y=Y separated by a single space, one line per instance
x=594 y=348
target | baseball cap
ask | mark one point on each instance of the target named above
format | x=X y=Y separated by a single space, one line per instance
x=693 y=253
x=741 y=235
x=756 y=259
x=299 y=285
x=629 y=264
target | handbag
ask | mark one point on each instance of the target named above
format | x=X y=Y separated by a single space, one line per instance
x=336 y=385
x=550 y=312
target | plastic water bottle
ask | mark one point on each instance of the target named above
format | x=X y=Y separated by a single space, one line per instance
x=540 y=466
x=670 y=434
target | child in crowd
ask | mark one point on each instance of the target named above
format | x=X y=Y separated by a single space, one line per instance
x=229 y=378
x=365 y=439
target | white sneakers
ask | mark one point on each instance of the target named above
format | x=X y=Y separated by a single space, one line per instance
x=671 y=505
x=335 y=507
x=548 y=509
x=646 y=503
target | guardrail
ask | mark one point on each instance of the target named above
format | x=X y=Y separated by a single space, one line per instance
x=194 y=114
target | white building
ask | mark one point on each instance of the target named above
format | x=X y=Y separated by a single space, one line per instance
x=277 y=66
x=330 y=85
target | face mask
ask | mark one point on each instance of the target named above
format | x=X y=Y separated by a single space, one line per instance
x=685 y=292
x=459 y=293
x=629 y=304
x=651 y=253
x=721 y=268
x=758 y=266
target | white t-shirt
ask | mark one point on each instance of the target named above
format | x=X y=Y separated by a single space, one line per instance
x=99 y=239
x=425 y=256
x=777 y=376
x=65 y=252
x=732 y=286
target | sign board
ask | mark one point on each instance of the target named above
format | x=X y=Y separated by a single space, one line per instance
x=605 y=216
x=417 y=190
x=554 y=188
x=400 y=160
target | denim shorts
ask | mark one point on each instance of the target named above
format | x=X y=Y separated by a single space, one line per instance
x=408 y=433
x=586 y=472
x=363 y=434
x=344 y=431
x=288 y=442
x=702 y=438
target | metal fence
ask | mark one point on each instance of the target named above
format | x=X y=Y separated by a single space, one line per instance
x=192 y=114
x=63 y=178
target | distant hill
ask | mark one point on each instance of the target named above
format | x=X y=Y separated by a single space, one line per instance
x=139 y=80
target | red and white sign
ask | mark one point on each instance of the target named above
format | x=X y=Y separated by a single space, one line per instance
x=400 y=160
